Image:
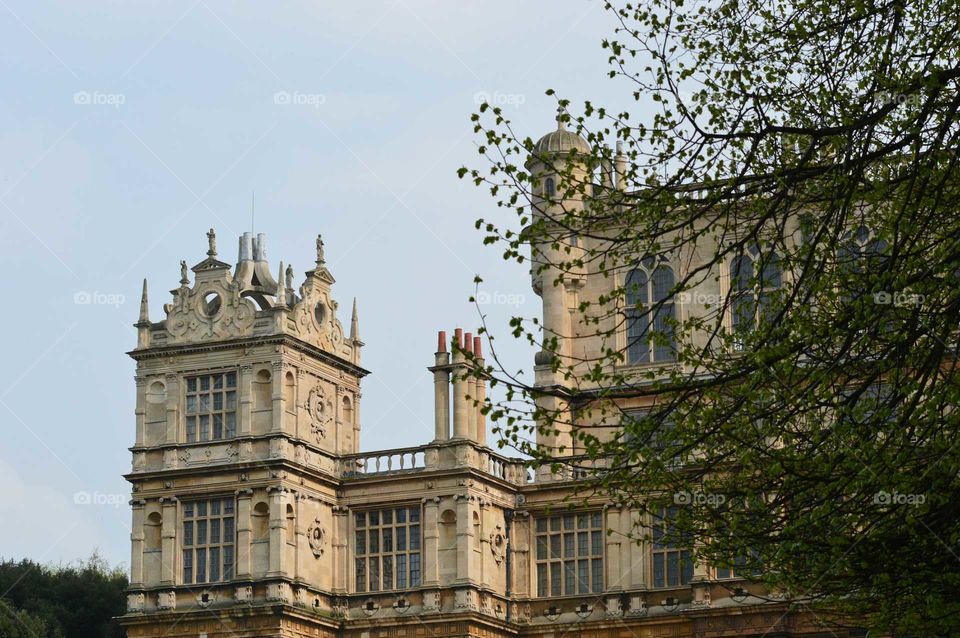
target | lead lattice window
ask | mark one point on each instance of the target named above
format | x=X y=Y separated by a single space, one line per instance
x=211 y=407
x=569 y=554
x=387 y=549
x=208 y=540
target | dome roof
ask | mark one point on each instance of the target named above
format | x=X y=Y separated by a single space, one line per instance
x=561 y=140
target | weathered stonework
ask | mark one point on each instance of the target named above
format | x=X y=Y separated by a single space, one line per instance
x=248 y=419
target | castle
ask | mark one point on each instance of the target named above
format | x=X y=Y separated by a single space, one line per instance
x=256 y=514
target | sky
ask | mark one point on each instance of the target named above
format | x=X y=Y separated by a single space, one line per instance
x=129 y=129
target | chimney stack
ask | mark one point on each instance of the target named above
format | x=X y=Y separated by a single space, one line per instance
x=441 y=389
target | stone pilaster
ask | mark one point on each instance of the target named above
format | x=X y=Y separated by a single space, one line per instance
x=168 y=541
x=244 y=533
x=136 y=542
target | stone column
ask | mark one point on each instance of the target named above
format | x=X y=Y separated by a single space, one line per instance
x=522 y=585
x=465 y=555
x=613 y=558
x=244 y=533
x=341 y=544
x=140 y=413
x=173 y=408
x=246 y=400
x=277 y=397
x=431 y=542
x=136 y=542
x=278 y=530
x=639 y=552
x=168 y=541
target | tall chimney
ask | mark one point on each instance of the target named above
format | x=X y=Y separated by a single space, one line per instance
x=481 y=389
x=461 y=420
x=441 y=389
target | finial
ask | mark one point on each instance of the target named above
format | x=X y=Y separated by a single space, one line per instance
x=144 y=306
x=355 y=323
x=289 y=274
x=184 y=278
x=320 y=260
x=561 y=111
x=281 y=291
x=211 y=243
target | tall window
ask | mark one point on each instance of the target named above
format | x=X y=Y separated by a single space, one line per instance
x=211 y=407
x=549 y=187
x=650 y=313
x=387 y=549
x=570 y=554
x=672 y=562
x=753 y=279
x=861 y=255
x=208 y=540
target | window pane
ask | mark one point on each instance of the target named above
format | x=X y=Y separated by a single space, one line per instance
x=201 y=565
x=188 y=566
x=597 y=575
x=542 y=580
x=187 y=533
x=361 y=574
x=401 y=571
x=374 y=584
x=597 y=543
x=569 y=577
x=414 y=537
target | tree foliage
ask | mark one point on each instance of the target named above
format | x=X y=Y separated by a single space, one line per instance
x=796 y=161
x=62 y=601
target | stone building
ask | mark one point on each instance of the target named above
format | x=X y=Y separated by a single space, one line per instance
x=256 y=514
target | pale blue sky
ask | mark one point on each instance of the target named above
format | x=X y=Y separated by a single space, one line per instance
x=130 y=129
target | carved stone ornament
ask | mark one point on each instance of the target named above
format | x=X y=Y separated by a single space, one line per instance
x=320 y=411
x=498 y=543
x=317 y=537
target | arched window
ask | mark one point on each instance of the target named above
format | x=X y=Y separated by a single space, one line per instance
x=549 y=187
x=650 y=313
x=754 y=276
x=860 y=256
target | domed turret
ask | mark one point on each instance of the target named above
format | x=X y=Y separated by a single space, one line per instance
x=561 y=140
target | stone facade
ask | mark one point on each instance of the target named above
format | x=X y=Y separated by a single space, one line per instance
x=255 y=514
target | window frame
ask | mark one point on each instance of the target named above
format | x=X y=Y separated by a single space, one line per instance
x=226 y=552
x=410 y=581
x=648 y=267
x=682 y=554
x=754 y=293
x=191 y=432
x=554 y=568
